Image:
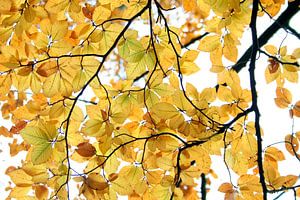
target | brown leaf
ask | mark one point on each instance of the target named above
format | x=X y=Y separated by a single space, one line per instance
x=296 y=109
x=96 y=182
x=113 y=177
x=85 y=149
x=88 y=11
x=25 y=71
x=15 y=148
x=18 y=127
x=47 y=69
x=41 y=192
x=5 y=132
x=273 y=66
x=292 y=144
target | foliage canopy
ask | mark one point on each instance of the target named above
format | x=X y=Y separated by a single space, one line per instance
x=147 y=133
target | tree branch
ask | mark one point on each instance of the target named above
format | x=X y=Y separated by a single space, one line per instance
x=193 y=40
x=282 y=20
x=203 y=186
x=255 y=48
x=293 y=31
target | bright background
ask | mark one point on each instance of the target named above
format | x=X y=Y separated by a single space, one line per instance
x=275 y=122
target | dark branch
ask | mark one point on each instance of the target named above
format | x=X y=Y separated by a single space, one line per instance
x=193 y=40
x=203 y=187
x=292 y=30
x=255 y=48
x=278 y=60
x=282 y=21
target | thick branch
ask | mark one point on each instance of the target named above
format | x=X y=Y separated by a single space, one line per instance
x=282 y=21
x=203 y=187
x=255 y=48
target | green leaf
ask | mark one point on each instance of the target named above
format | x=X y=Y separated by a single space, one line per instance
x=34 y=135
x=41 y=153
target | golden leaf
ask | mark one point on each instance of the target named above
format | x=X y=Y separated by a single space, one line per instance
x=226 y=188
x=164 y=110
x=283 y=97
x=41 y=192
x=20 y=178
x=209 y=43
x=292 y=144
x=96 y=182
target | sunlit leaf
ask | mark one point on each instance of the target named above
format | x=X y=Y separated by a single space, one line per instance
x=209 y=43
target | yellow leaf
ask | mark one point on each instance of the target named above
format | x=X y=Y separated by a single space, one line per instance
x=271 y=49
x=79 y=81
x=239 y=164
x=283 y=97
x=96 y=182
x=296 y=53
x=164 y=110
x=121 y=186
x=224 y=94
x=283 y=51
x=271 y=171
x=34 y=135
x=230 y=50
x=56 y=30
x=5 y=6
x=164 y=163
x=189 y=68
x=292 y=144
x=41 y=192
x=192 y=90
x=108 y=37
x=290 y=180
x=55 y=6
x=290 y=73
x=226 y=188
x=189 y=5
x=202 y=158
x=29 y=14
x=270 y=77
x=47 y=69
x=216 y=59
x=118 y=114
x=94 y=127
x=133 y=173
x=20 y=178
x=154 y=177
x=111 y=166
x=5 y=33
x=41 y=153
x=190 y=56
x=274 y=154
x=65 y=87
x=209 y=43
x=52 y=85
x=181 y=102
x=161 y=193
x=20 y=192
x=57 y=110
x=101 y=14
x=60 y=48
x=248 y=182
